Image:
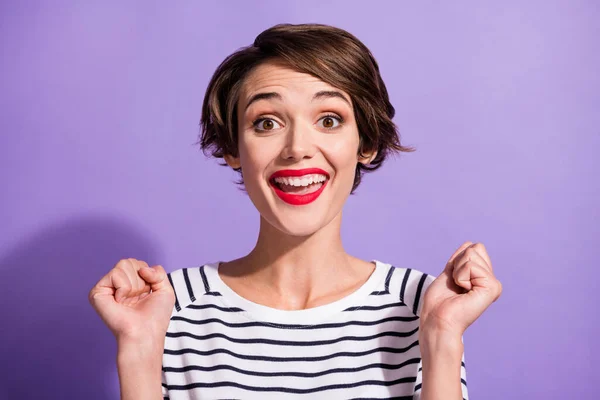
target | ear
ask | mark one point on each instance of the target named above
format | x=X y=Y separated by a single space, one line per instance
x=367 y=158
x=233 y=162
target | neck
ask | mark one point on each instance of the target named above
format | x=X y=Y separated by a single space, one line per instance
x=299 y=270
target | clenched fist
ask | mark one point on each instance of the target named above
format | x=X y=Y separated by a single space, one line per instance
x=462 y=292
x=134 y=300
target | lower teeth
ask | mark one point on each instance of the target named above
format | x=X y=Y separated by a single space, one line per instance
x=299 y=189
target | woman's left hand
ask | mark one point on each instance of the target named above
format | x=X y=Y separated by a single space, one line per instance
x=461 y=293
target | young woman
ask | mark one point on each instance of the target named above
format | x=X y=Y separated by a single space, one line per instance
x=301 y=114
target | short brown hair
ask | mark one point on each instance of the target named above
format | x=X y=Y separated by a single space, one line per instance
x=326 y=52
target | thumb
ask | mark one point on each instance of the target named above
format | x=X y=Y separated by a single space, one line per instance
x=156 y=276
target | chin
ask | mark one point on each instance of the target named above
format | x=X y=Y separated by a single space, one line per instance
x=302 y=221
x=297 y=224
x=293 y=220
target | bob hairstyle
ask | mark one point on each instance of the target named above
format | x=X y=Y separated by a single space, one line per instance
x=326 y=52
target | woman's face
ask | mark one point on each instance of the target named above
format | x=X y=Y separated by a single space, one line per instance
x=298 y=145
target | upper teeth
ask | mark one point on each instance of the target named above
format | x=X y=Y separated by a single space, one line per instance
x=304 y=180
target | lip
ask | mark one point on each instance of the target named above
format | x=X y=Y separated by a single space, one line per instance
x=298 y=199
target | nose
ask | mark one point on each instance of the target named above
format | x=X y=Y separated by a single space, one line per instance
x=299 y=144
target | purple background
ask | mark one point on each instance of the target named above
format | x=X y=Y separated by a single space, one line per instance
x=99 y=110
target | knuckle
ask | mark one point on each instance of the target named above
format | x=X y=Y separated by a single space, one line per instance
x=118 y=272
x=94 y=293
x=470 y=252
x=498 y=290
x=480 y=247
x=123 y=263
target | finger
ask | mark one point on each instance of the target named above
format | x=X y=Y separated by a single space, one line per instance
x=139 y=287
x=131 y=267
x=122 y=284
x=107 y=280
x=450 y=263
x=470 y=254
x=498 y=289
x=482 y=251
x=124 y=277
x=156 y=277
x=468 y=275
x=142 y=285
x=119 y=283
x=133 y=286
x=102 y=290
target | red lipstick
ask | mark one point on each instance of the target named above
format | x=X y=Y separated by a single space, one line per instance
x=298 y=199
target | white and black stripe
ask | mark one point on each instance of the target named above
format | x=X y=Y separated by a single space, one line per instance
x=364 y=346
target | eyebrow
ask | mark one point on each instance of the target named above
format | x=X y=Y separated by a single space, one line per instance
x=323 y=94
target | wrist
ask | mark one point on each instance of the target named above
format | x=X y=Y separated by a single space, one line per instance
x=441 y=343
x=139 y=351
x=139 y=365
x=441 y=356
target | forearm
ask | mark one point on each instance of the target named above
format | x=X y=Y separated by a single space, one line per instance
x=139 y=366
x=441 y=361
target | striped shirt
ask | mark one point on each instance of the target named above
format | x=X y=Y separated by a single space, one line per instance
x=220 y=345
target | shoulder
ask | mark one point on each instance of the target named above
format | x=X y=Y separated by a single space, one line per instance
x=190 y=284
x=409 y=285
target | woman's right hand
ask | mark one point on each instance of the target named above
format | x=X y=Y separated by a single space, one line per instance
x=134 y=301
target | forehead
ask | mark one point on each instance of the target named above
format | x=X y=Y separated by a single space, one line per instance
x=277 y=77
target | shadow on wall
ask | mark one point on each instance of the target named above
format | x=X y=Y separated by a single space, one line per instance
x=53 y=345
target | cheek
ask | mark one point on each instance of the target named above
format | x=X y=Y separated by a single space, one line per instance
x=255 y=156
x=343 y=153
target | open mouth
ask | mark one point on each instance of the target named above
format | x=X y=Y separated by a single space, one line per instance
x=299 y=187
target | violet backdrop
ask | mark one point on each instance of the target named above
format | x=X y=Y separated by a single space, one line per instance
x=100 y=103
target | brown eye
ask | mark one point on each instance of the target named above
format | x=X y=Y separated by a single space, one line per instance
x=265 y=124
x=329 y=121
